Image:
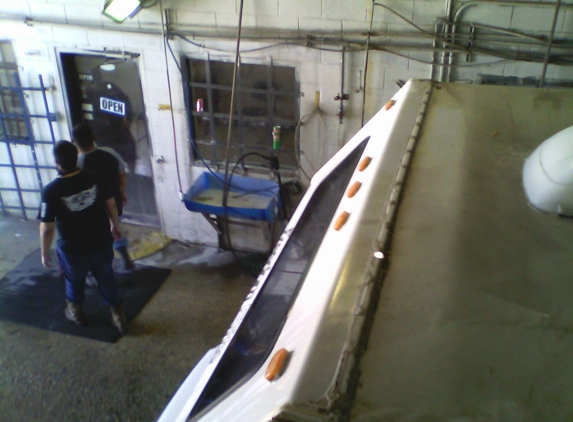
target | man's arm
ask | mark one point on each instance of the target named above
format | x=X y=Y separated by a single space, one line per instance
x=122 y=185
x=121 y=169
x=47 y=231
x=114 y=220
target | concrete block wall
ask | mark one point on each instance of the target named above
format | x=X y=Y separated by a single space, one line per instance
x=78 y=26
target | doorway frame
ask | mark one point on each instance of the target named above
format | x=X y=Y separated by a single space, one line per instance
x=111 y=54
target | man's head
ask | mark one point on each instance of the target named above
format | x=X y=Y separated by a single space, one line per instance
x=66 y=156
x=83 y=136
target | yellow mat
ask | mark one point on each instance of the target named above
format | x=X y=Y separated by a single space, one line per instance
x=142 y=244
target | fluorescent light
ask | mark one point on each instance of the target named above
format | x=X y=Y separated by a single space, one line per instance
x=120 y=10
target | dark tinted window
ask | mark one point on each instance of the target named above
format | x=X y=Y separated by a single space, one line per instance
x=259 y=331
x=12 y=127
x=266 y=96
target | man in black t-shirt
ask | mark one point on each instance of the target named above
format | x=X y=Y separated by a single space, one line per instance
x=108 y=164
x=112 y=115
x=80 y=205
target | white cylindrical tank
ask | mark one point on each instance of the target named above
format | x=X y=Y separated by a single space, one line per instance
x=548 y=174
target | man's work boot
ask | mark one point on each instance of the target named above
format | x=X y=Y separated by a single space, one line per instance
x=75 y=313
x=118 y=319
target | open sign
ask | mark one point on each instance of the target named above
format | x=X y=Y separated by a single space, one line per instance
x=112 y=106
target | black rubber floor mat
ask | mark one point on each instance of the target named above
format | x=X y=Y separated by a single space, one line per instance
x=35 y=296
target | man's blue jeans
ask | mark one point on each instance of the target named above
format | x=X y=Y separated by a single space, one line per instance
x=76 y=268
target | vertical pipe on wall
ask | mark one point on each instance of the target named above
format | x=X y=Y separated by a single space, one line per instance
x=549 y=43
x=165 y=24
x=438 y=25
x=366 y=63
x=342 y=95
x=232 y=110
x=452 y=28
x=446 y=55
x=446 y=29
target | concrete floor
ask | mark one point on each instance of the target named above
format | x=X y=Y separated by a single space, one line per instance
x=47 y=376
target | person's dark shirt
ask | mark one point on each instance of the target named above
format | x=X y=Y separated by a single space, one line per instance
x=111 y=122
x=77 y=205
x=107 y=166
x=110 y=91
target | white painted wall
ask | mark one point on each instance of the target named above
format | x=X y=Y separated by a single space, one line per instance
x=78 y=26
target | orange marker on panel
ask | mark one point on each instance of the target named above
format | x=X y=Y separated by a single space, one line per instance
x=274 y=370
x=341 y=220
x=364 y=163
x=353 y=189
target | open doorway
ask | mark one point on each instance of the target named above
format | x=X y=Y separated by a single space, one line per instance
x=106 y=91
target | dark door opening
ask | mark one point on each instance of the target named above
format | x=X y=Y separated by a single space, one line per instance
x=106 y=91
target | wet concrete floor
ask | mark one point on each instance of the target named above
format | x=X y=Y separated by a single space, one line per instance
x=48 y=376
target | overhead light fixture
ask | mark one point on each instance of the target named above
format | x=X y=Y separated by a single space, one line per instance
x=108 y=67
x=120 y=10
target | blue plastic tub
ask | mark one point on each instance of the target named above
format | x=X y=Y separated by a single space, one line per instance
x=249 y=197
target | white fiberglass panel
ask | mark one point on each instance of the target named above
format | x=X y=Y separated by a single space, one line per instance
x=475 y=317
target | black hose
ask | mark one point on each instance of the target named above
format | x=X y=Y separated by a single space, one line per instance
x=254 y=261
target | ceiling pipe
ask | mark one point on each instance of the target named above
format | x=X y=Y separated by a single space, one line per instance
x=473 y=3
x=330 y=38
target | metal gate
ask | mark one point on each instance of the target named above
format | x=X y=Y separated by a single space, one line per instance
x=16 y=129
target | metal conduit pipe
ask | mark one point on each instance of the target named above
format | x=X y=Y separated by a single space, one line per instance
x=232 y=108
x=504 y=31
x=165 y=26
x=366 y=64
x=446 y=31
x=446 y=52
x=473 y=3
x=300 y=41
x=549 y=43
x=437 y=30
x=346 y=40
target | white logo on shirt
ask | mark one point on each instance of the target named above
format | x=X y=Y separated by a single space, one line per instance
x=82 y=200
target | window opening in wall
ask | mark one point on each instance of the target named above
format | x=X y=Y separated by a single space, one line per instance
x=21 y=174
x=266 y=96
x=13 y=126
